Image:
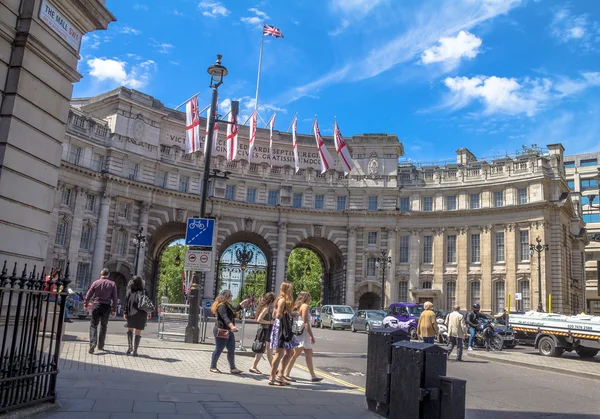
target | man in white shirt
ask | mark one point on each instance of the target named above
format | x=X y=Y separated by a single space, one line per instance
x=457 y=329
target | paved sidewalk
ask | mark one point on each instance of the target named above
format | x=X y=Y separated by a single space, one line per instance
x=528 y=356
x=169 y=382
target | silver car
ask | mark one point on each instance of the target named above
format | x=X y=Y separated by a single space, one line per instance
x=336 y=317
x=367 y=320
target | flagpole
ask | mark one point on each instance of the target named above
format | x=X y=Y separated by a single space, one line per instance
x=295 y=116
x=197 y=94
x=262 y=41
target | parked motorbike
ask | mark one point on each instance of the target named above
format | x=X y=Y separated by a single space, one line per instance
x=483 y=330
x=442 y=336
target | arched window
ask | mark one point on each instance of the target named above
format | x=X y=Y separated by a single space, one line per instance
x=499 y=299
x=120 y=243
x=525 y=303
x=61 y=233
x=475 y=293
x=86 y=237
x=450 y=295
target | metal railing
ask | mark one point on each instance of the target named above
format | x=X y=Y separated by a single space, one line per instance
x=31 y=326
x=173 y=319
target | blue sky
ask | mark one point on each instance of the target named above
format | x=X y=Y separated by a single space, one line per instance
x=489 y=75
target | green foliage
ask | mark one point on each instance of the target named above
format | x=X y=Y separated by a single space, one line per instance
x=298 y=261
x=255 y=282
x=170 y=274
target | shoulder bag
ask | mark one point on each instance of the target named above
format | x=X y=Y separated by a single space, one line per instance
x=298 y=325
x=144 y=302
x=259 y=345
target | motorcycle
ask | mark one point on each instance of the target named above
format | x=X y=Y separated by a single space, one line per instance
x=482 y=331
x=442 y=336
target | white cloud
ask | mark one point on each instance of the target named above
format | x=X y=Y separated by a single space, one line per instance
x=140 y=7
x=129 y=30
x=162 y=47
x=351 y=11
x=91 y=41
x=450 y=50
x=259 y=13
x=134 y=56
x=115 y=72
x=257 y=20
x=567 y=27
x=177 y=13
x=213 y=9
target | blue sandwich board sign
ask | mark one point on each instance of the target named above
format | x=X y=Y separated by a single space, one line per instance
x=199 y=232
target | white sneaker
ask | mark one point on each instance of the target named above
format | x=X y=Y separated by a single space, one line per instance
x=470 y=348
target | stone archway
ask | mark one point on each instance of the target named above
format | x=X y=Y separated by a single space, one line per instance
x=366 y=291
x=120 y=273
x=158 y=241
x=369 y=301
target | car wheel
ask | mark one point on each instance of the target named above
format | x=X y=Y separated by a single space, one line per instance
x=547 y=347
x=352 y=327
x=412 y=332
x=367 y=328
x=586 y=352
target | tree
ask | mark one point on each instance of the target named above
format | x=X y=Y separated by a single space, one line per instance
x=170 y=274
x=255 y=282
x=298 y=262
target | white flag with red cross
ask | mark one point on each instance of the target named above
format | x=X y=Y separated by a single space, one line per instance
x=192 y=126
x=271 y=125
x=252 y=135
x=295 y=143
x=215 y=133
x=342 y=149
x=324 y=156
x=232 y=136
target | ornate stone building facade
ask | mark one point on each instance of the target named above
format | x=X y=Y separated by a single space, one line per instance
x=456 y=234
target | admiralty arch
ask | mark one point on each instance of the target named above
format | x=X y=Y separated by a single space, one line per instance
x=456 y=233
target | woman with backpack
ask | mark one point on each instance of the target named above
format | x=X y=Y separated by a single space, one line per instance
x=134 y=314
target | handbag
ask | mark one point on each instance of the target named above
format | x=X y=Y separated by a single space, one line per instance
x=285 y=329
x=298 y=326
x=259 y=345
x=145 y=303
x=223 y=333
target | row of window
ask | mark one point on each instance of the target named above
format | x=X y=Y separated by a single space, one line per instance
x=582 y=163
x=584 y=185
x=61 y=235
x=68 y=195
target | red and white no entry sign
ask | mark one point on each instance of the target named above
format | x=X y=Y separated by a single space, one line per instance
x=192 y=257
x=198 y=260
x=204 y=258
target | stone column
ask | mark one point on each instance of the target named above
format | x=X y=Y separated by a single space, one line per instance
x=462 y=268
x=100 y=244
x=512 y=253
x=392 y=283
x=485 y=247
x=439 y=260
x=79 y=195
x=351 y=268
x=281 y=253
x=144 y=208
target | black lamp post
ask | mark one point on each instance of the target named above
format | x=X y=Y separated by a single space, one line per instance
x=139 y=240
x=308 y=270
x=177 y=260
x=243 y=256
x=217 y=72
x=539 y=248
x=384 y=262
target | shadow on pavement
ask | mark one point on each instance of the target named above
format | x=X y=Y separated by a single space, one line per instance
x=495 y=414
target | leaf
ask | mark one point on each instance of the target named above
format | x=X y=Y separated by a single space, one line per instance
x=298 y=262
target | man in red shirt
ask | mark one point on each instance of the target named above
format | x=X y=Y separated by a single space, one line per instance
x=105 y=291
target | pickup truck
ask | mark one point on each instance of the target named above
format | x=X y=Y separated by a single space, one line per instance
x=406 y=316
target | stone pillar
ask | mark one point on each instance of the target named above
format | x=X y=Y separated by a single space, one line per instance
x=485 y=244
x=100 y=244
x=438 y=260
x=79 y=195
x=210 y=278
x=414 y=260
x=351 y=269
x=144 y=208
x=281 y=253
x=38 y=70
x=462 y=268
x=392 y=283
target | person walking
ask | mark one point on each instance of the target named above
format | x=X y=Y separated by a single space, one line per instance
x=473 y=322
x=224 y=331
x=306 y=339
x=134 y=316
x=104 y=292
x=427 y=328
x=456 y=332
x=265 y=325
x=283 y=340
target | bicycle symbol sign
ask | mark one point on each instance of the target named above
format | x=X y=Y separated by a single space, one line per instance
x=199 y=232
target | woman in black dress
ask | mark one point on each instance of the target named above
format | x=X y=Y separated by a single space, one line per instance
x=136 y=318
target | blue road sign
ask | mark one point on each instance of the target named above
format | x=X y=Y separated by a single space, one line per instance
x=208 y=304
x=199 y=232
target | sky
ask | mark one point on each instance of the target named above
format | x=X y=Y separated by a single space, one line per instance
x=489 y=75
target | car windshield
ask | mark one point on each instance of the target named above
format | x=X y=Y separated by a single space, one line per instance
x=377 y=315
x=415 y=311
x=343 y=310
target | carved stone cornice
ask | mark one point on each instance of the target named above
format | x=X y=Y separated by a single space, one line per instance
x=145 y=207
x=464 y=229
x=486 y=228
x=438 y=231
x=415 y=231
x=510 y=227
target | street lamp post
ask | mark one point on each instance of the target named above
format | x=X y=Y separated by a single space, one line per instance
x=139 y=240
x=384 y=262
x=217 y=72
x=243 y=257
x=539 y=248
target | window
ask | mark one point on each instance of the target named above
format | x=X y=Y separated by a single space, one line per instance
x=589 y=184
x=373 y=204
x=90 y=202
x=403 y=291
x=251 y=195
x=230 y=192
x=61 y=233
x=475 y=252
x=74 y=154
x=450 y=295
x=372 y=238
x=403 y=250
x=524 y=242
x=500 y=246
x=428 y=203
x=571 y=185
x=273 y=198
x=591 y=218
x=297 y=200
x=427 y=249
x=161 y=179
x=405 y=204
x=475 y=292
x=66 y=196
x=98 y=162
x=588 y=163
x=569 y=165
x=498 y=199
x=131 y=171
x=426 y=285
x=123 y=210
x=451 y=249
x=523 y=196
x=86 y=237
x=525 y=303
x=588 y=201
x=341 y=202
x=474 y=201
x=184 y=183
x=371 y=268
x=59 y=264
x=83 y=275
x=120 y=243
x=451 y=203
x=319 y=201
x=498 y=305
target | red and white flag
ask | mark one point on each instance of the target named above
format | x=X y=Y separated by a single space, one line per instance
x=215 y=133
x=232 y=136
x=252 y=134
x=326 y=160
x=342 y=149
x=192 y=126
x=295 y=143
x=271 y=125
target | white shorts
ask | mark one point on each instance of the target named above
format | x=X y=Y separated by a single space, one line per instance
x=304 y=340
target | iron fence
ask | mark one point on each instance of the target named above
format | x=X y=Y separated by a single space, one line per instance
x=31 y=326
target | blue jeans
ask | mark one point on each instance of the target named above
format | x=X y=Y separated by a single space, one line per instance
x=471 y=336
x=221 y=344
x=429 y=340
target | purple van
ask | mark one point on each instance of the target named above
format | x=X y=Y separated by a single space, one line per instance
x=407 y=315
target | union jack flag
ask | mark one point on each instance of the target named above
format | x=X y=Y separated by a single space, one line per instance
x=269 y=30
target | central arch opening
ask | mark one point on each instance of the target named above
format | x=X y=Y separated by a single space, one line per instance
x=305 y=271
x=243 y=269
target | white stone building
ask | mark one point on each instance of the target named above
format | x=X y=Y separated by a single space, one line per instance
x=457 y=233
